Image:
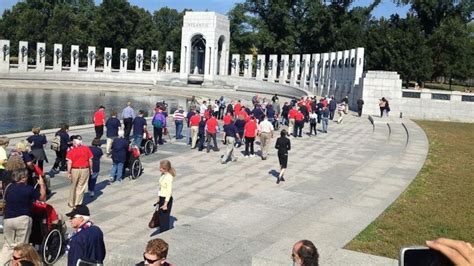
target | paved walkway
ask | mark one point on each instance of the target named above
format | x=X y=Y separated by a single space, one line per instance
x=235 y=214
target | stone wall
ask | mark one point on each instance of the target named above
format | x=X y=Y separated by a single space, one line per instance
x=417 y=104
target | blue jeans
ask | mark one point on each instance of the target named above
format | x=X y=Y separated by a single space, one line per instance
x=179 y=129
x=137 y=139
x=117 y=171
x=92 y=181
x=325 y=124
x=188 y=136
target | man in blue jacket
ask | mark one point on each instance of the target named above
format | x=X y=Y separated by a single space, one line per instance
x=86 y=242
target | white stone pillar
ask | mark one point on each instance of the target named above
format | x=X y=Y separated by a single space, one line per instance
x=214 y=62
x=107 y=59
x=326 y=63
x=284 y=62
x=40 y=56
x=248 y=65
x=346 y=67
x=332 y=73
x=359 y=67
x=305 y=70
x=91 y=56
x=139 y=61
x=351 y=69
x=272 y=67
x=184 y=63
x=4 y=56
x=154 y=61
x=169 y=60
x=295 y=69
x=23 y=56
x=235 y=65
x=74 y=67
x=313 y=73
x=260 y=66
x=58 y=57
x=123 y=60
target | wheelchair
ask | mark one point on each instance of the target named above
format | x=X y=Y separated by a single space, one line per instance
x=148 y=145
x=48 y=232
x=133 y=163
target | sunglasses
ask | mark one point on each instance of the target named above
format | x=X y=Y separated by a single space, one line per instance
x=148 y=260
x=16 y=258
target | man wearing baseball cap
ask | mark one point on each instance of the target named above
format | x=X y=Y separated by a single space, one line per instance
x=86 y=242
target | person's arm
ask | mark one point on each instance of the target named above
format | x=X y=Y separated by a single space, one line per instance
x=69 y=168
x=42 y=196
x=277 y=144
x=289 y=145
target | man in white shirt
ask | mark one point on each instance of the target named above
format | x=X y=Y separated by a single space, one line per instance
x=265 y=131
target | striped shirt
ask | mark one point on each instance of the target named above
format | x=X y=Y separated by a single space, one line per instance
x=178 y=115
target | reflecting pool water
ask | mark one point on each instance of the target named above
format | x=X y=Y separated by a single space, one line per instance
x=22 y=109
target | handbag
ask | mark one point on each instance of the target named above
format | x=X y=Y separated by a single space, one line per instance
x=3 y=203
x=155 y=219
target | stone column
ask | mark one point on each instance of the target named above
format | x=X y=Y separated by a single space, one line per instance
x=272 y=67
x=169 y=60
x=284 y=63
x=154 y=61
x=23 y=56
x=248 y=65
x=184 y=63
x=332 y=73
x=58 y=57
x=305 y=66
x=294 y=68
x=4 y=56
x=40 y=56
x=235 y=65
x=75 y=58
x=260 y=66
x=313 y=74
x=326 y=66
x=107 y=59
x=139 y=61
x=359 y=66
x=91 y=56
x=123 y=60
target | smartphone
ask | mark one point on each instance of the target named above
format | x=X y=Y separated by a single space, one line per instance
x=422 y=256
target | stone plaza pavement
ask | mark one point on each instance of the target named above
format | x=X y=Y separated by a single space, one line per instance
x=235 y=214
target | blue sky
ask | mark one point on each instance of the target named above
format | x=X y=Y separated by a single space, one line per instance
x=386 y=7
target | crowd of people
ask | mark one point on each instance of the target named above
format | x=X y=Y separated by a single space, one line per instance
x=23 y=176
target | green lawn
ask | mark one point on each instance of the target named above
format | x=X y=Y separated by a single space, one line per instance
x=438 y=203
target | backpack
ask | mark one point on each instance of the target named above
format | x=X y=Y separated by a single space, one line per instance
x=56 y=143
x=157 y=123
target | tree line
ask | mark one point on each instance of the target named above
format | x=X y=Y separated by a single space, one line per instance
x=435 y=41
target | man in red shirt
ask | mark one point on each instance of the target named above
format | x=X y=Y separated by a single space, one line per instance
x=291 y=120
x=299 y=124
x=194 y=124
x=250 y=133
x=211 y=129
x=99 y=122
x=227 y=119
x=79 y=168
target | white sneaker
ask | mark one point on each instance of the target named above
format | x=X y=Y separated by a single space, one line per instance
x=246 y=156
x=252 y=155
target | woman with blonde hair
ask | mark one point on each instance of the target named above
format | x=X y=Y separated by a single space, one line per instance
x=25 y=253
x=165 y=199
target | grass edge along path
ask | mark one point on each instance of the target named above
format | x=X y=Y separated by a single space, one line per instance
x=438 y=203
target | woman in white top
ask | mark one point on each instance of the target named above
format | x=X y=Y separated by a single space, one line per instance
x=165 y=199
x=340 y=109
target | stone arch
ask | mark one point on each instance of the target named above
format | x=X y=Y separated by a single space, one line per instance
x=197 y=44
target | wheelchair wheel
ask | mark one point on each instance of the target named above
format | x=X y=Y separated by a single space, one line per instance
x=52 y=247
x=136 y=169
x=148 y=147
